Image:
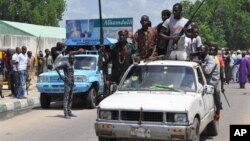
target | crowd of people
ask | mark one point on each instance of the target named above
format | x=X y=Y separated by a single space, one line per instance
x=175 y=38
x=19 y=67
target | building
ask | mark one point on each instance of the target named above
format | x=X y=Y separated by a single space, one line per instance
x=34 y=37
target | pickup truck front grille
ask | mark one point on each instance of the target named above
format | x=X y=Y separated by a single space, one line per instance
x=145 y=116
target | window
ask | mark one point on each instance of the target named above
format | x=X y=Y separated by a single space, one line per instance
x=200 y=76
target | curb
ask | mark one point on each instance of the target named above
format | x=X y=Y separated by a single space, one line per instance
x=20 y=104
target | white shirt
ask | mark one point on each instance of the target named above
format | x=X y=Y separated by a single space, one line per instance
x=175 y=26
x=14 y=59
x=22 y=61
x=196 y=43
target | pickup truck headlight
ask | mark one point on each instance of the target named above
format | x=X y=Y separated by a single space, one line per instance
x=105 y=115
x=180 y=118
x=43 y=79
x=80 y=79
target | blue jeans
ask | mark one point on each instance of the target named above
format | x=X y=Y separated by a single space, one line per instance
x=21 y=86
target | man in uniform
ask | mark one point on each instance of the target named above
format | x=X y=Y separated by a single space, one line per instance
x=68 y=78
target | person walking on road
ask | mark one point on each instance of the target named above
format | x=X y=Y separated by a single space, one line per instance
x=68 y=78
x=243 y=71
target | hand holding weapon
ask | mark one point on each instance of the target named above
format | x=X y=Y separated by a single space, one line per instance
x=175 y=41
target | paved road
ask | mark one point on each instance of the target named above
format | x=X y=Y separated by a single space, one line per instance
x=40 y=125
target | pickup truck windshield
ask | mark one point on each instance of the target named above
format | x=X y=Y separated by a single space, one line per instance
x=159 y=77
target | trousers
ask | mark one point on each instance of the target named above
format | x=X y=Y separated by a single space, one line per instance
x=68 y=98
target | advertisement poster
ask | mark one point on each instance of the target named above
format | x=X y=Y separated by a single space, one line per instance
x=90 y=28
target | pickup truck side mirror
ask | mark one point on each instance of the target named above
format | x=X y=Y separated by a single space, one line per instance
x=113 y=88
x=208 y=89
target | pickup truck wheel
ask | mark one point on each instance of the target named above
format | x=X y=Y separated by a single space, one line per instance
x=213 y=128
x=91 y=98
x=196 y=136
x=45 y=100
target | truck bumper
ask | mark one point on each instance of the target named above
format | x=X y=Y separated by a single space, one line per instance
x=144 y=131
x=59 y=88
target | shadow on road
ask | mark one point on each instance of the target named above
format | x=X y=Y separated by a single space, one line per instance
x=11 y=114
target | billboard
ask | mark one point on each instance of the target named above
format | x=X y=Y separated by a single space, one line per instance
x=90 y=28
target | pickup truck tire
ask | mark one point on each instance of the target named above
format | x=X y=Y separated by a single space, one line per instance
x=213 y=128
x=196 y=136
x=91 y=98
x=45 y=100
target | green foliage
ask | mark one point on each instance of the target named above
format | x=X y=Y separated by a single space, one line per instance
x=41 y=12
x=222 y=22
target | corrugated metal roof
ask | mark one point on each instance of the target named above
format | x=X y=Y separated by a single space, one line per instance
x=38 y=30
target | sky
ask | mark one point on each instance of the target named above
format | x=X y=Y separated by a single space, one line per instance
x=88 y=9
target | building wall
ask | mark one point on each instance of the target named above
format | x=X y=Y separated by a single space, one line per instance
x=33 y=44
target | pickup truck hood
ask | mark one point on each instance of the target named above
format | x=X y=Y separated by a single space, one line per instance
x=163 y=101
x=76 y=72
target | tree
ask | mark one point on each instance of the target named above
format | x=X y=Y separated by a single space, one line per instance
x=41 y=12
x=222 y=22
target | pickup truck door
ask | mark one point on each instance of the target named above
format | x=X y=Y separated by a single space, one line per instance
x=205 y=97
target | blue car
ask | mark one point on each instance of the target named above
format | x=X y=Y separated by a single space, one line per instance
x=88 y=81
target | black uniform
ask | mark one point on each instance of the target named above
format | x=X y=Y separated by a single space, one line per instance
x=68 y=79
x=68 y=69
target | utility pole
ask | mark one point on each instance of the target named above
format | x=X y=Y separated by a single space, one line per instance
x=100 y=20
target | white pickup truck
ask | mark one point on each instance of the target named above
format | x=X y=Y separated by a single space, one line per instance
x=158 y=100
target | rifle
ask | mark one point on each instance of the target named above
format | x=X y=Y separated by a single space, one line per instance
x=61 y=77
x=226 y=98
x=190 y=20
x=160 y=57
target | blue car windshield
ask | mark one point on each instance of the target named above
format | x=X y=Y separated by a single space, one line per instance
x=83 y=62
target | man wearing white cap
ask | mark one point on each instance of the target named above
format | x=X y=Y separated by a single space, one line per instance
x=235 y=70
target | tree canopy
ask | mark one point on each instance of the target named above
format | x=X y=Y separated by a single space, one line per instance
x=225 y=23
x=41 y=12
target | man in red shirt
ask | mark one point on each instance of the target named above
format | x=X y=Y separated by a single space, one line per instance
x=145 y=39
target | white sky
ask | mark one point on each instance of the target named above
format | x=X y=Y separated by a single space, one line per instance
x=88 y=9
